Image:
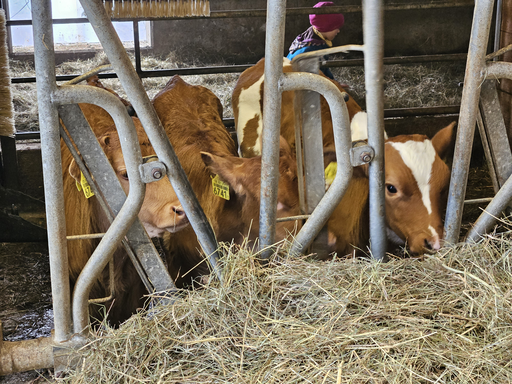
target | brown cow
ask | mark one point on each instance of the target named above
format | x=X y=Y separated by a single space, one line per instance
x=416 y=177
x=192 y=118
x=161 y=212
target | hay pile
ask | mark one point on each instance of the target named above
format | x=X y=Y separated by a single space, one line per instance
x=444 y=318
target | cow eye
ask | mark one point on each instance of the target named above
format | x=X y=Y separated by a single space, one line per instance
x=124 y=175
x=391 y=188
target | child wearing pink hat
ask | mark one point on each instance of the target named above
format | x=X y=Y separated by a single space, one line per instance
x=323 y=30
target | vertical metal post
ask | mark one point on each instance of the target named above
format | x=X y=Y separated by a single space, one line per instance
x=373 y=30
x=136 y=46
x=274 y=42
x=467 y=118
x=52 y=167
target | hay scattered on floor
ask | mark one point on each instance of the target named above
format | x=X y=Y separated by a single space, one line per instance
x=405 y=86
x=444 y=318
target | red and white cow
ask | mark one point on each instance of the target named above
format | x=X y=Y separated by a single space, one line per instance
x=161 y=212
x=416 y=177
x=192 y=118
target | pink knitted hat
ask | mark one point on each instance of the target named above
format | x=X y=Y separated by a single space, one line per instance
x=326 y=22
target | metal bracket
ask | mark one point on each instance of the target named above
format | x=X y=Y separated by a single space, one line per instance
x=152 y=171
x=361 y=154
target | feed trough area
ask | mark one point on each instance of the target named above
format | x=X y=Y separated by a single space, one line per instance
x=429 y=312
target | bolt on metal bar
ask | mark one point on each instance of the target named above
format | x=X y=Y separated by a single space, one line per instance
x=467 y=118
x=52 y=168
x=373 y=35
x=135 y=91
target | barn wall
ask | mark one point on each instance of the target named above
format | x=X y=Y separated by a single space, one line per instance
x=242 y=40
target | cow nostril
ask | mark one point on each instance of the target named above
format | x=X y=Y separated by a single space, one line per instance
x=427 y=244
x=178 y=211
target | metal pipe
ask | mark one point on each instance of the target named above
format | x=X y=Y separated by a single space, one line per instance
x=242 y=67
x=26 y=355
x=44 y=58
x=489 y=216
x=293 y=81
x=373 y=27
x=274 y=42
x=467 y=118
x=149 y=119
x=498 y=70
x=497 y=27
x=131 y=207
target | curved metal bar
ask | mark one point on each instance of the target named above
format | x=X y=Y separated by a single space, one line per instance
x=119 y=59
x=294 y=81
x=498 y=70
x=131 y=207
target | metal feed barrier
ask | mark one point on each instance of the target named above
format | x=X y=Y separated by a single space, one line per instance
x=479 y=85
x=52 y=99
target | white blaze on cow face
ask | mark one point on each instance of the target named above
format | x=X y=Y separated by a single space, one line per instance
x=419 y=156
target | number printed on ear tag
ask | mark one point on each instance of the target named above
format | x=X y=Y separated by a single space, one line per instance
x=85 y=186
x=220 y=188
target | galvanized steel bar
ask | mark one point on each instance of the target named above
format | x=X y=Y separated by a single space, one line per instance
x=127 y=214
x=274 y=42
x=488 y=218
x=52 y=168
x=310 y=111
x=293 y=81
x=135 y=91
x=111 y=195
x=467 y=118
x=373 y=34
x=494 y=134
x=498 y=70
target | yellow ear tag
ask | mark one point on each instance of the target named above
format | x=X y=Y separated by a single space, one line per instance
x=220 y=188
x=330 y=173
x=85 y=186
x=78 y=186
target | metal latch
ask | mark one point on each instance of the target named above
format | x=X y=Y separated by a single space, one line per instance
x=361 y=153
x=151 y=169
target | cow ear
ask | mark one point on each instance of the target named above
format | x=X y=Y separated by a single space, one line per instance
x=226 y=168
x=444 y=140
x=74 y=171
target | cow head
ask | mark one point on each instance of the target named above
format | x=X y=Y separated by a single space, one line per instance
x=244 y=175
x=161 y=210
x=416 y=182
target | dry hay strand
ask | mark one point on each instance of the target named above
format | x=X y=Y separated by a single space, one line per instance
x=441 y=318
x=408 y=86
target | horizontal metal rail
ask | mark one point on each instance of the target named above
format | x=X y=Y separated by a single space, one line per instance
x=388 y=113
x=212 y=70
x=263 y=12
